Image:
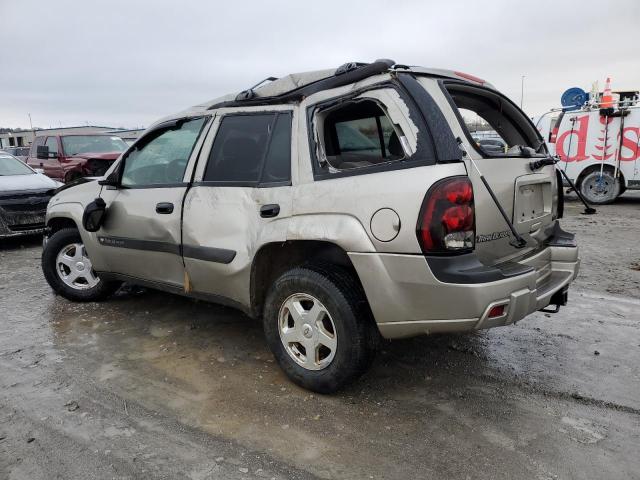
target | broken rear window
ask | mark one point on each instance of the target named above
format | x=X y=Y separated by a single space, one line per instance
x=496 y=125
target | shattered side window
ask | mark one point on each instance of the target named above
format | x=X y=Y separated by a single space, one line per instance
x=358 y=134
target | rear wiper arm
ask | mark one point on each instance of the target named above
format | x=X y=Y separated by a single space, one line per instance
x=537 y=149
x=543 y=162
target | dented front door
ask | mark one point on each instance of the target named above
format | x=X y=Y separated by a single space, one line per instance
x=142 y=230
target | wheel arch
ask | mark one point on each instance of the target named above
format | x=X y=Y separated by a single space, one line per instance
x=58 y=223
x=275 y=258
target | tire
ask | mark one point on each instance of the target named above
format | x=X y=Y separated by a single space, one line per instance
x=338 y=294
x=600 y=191
x=59 y=258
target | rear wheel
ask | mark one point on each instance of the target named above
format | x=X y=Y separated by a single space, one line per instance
x=319 y=327
x=68 y=269
x=600 y=189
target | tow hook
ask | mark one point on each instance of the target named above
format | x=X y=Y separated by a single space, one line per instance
x=558 y=299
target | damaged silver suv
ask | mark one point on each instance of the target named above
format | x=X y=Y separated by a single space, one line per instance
x=340 y=206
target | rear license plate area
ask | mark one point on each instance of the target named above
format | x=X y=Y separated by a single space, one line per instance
x=530 y=202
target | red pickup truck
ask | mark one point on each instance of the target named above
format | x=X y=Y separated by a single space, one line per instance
x=67 y=157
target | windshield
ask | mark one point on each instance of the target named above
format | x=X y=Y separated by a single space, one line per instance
x=12 y=166
x=76 y=144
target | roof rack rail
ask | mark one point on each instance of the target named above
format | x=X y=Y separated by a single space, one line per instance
x=347 y=67
x=249 y=93
x=345 y=74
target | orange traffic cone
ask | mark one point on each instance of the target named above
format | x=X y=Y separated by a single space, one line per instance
x=607 y=98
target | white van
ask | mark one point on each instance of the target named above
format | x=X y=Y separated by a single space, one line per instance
x=598 y=148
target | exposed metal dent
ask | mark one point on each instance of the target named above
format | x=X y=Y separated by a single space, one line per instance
x=343 y=230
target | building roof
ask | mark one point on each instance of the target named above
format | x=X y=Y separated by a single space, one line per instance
x=72 y=128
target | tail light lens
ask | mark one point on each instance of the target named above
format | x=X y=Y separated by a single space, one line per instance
x=447 y=218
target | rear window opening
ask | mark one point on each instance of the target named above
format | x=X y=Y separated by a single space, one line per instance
x=495 y=125
x=358 y=134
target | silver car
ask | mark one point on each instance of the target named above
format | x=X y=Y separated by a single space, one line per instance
x=339 y=206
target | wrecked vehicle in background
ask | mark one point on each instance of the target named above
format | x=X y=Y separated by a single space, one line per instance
x=70 y=156
x=24 y=195
x=338 y=206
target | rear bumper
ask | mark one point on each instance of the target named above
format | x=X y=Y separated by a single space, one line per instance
x=408 y=299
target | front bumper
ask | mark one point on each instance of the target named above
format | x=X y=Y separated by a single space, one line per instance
x=22 y=215
x=407 y=298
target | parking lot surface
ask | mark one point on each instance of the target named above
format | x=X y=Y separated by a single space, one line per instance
x=150 y=385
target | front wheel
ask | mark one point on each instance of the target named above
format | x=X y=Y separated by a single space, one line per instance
x=600 y=189
x=68 y=269
x=319 y=327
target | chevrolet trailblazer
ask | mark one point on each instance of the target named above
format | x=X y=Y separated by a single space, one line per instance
x=339 y=206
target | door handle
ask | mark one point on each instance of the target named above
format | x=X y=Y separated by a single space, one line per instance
x=164 y=207
x=269 y=211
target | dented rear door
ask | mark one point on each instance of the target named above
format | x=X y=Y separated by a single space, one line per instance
x=240 y=199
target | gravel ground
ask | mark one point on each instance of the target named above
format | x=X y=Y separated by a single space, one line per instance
x=609 y=245
x=149 y=385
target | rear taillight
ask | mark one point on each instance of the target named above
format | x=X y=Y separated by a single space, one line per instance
x=447 y=218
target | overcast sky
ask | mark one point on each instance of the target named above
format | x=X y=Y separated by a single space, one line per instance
x=127 y=63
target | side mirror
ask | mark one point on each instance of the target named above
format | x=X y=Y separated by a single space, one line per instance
x=113 y=180
x=110 y=181
x=94 y=215
x=42 y=152
x=39 y=170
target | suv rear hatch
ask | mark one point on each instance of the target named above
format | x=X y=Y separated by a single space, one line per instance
x=528 y=197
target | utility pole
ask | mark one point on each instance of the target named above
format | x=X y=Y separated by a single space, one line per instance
x=521 y=91
x=30 y=122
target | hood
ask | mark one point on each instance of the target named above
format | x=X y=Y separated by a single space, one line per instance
x=98 y=155
x=74 y=183
x=34 y=181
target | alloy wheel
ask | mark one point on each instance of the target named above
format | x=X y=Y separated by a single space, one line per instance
x=74 y=267
x=307 y=331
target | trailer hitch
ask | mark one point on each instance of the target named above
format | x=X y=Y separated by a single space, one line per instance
x=558 y=299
